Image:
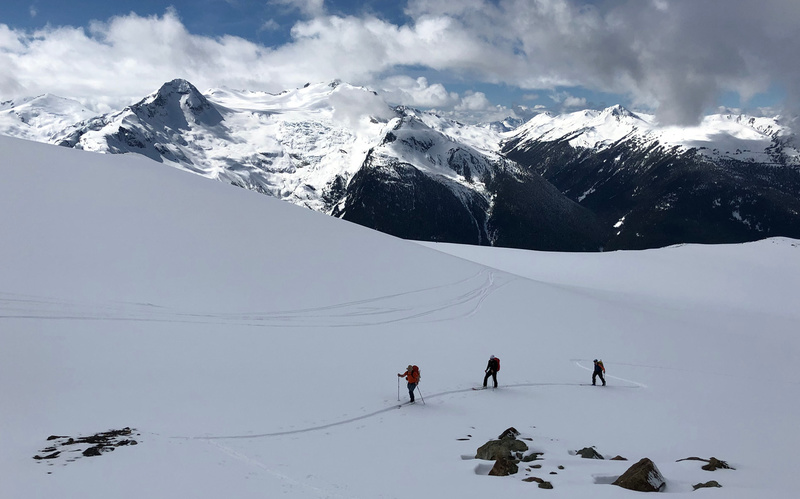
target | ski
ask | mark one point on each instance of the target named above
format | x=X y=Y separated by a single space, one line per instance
x=479 y=388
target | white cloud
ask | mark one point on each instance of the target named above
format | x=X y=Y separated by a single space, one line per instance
x=677 y=55
x=33 y=11
x=416 y=92
x=309 y=8
x=474 y=101
x=270 y=25
x=574 y=102
x=567 y=100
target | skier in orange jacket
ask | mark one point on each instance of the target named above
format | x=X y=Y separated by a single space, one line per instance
x=412 y=376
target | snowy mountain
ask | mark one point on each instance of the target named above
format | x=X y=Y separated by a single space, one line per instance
x=252 y=349
x=39 y=118
x=291 y=146
x=341 y=150
x=730 y=179
x=424 y=185
x=583 y=181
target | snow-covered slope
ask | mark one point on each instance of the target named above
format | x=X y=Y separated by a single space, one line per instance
x=39 y=118
x=254 y=348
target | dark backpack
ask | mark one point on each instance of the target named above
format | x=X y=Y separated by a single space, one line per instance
x=496 y=363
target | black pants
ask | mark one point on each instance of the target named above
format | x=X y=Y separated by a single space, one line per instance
x=411 y=387
x=493 y=374
x=596 y=374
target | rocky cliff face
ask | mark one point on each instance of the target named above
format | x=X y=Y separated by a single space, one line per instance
x=419 y=184
x=648 y=191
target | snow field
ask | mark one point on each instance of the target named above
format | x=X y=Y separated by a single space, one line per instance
x=255 y=345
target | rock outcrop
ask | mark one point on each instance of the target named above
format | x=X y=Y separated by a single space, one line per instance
x=643 y=476
x=712 y=464
x=709 y=484
x=504 y=467
x=589 y=453
x=506 y=447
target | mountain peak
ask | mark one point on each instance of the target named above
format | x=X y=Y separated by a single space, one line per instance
x=184 y=91
x=178 y=101
x=618 y=111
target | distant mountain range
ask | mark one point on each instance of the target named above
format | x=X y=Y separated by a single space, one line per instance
x=583 y=181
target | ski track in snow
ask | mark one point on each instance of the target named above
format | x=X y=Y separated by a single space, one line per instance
x=281 y=476
x=632 y=384
x=437 y=303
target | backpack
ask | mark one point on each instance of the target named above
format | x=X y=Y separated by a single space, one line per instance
x=497 y=363
x=415 y=373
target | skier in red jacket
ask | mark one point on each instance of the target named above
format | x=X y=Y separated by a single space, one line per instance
x=412 y=376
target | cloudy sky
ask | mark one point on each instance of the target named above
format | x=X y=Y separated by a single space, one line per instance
x=476 y=59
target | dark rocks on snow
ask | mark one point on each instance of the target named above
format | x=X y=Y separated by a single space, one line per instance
x=98 y=443
x=504 y=467
x=618 y=458
x=542 y=483
x=709 y=484
x=589 y=453
x=531 y=457
x=504 y=448
x=712 y=464
x=715 y=464
x=93 y=451
x=509 y=433
x=643 y=476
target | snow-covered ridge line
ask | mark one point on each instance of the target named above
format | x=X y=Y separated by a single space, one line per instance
x=719 y=136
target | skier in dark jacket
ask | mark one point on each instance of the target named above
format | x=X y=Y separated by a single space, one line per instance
x=491 y=370
x=599 y=369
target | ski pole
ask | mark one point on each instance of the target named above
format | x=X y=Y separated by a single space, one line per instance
x=398 y=388
x=420 y=395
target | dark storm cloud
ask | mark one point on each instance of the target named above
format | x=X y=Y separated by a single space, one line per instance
x=679 y=55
